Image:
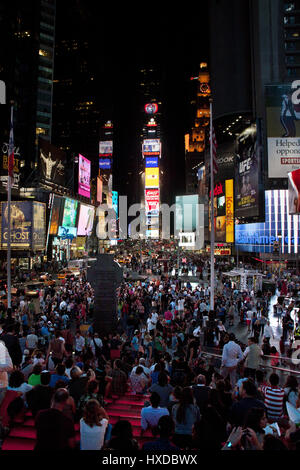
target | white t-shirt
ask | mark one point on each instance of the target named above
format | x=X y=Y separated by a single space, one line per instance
x=79 y=343
x=92 y=438
x=150 y=325
x=32 y=341
x=181 y=304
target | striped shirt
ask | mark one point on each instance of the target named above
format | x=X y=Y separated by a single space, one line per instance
x=273 y=401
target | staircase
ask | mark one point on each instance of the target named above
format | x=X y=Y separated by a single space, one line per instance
x=22 y=435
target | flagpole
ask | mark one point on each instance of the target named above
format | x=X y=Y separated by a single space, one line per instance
x=9 y=185
x=212 y=217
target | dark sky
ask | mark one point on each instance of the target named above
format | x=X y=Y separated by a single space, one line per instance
x=125 y=37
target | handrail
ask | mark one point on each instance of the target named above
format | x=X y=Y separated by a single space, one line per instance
x=282 y=369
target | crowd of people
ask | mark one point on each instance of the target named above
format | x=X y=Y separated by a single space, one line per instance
x=203 y=389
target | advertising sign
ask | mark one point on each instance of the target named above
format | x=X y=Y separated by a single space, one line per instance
x=55 y=215
x=187 y=239
x=294 y=192
x=247 y=174
x=115 y=202
x=152 y=201
x=105 y=148
x=278 y=226
x=105 y=163
x=86 y=220
x=70 y=212
x=151 y=162
x=52 y=164
x=151 y=108
x=4 y=166
x=186 y=213
x=99 y=189
x=151 y=177
x=283 y=130
x=152 y=233
x=223 y=211
x=20 y=224
x=39 y=226
x=84 y=176
x=67 y=233
x=151 y=147
x=229 y=196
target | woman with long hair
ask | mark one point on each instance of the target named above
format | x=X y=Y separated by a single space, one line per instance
x=291 y=390
x=185 y=414
x=93 y=426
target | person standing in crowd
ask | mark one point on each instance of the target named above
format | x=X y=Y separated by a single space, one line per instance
x=231 y=356
x=253 y=355
x=6 y=365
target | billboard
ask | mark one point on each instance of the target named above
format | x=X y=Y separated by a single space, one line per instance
x=151 y=177
x=283 y=130
x=84 y=176
x=99 y=189
x=70 y=212
x=151 y=162
x=51 y=164
x=294 y=192
x=151 y=147
x=247 y=174
x=279 y=226
x=39 y=226
x=152 y=201
x=27 y=225
x=55 y=215
x=115 y=202
x=105 y=148
x=104 y=163
x=67 y=233
x=85 y=220
x=186 y=216
x=223 y=211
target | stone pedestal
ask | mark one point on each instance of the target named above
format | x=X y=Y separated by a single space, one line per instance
x=105 y=276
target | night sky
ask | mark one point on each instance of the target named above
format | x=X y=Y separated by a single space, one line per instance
x=125 y=37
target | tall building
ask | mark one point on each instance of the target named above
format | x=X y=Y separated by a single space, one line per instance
x=26 y=65
x=195 y=140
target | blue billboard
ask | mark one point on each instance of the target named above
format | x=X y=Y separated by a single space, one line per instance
x=151 y=162
x=279 y=226
x=105 y=163
x=115 y=202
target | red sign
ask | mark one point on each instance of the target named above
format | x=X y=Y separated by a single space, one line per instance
x=218 y=190
x=152 y=200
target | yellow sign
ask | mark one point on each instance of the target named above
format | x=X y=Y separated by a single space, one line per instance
x=229 y=211
x=152 y=177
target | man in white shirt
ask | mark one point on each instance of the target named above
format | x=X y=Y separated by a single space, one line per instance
x=142 y=364
x=268 y=332
x=150 y=415
x=31 y=341
x=79 y=343
x=231 y=356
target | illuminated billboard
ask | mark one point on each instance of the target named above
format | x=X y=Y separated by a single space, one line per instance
x=294 y=192
x=27 y=225
x=99 y=189
x=115 y=201
x=105 y=148
x=152 y=201
x=278 y=226
x=151 y=147
x=51 y=164
x=151 y=177
x=151 y=108
x=151 y=162
x=223 y=211
x=84 y=176
x=247 y=174
x=186 y=213
x=86 y=220
x=70 y=212
x=55 y=215
x=283 y=130
x=105 y=163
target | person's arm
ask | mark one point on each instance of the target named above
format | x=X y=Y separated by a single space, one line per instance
x=233 y=439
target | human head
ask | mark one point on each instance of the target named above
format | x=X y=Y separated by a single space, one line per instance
x=274 y=379
x=256 y=419
x=248 y=389
x=165 y=426
x=122 y=429
x=162 y=379
x=291 y=382
x=75 y=372
x=60 y=369
x=45 y=377
x=201 y=379
x=154 y=400
x=37 y=369
x=16 y=379
x=93 y=413
x=139 y=370
x=60 y=397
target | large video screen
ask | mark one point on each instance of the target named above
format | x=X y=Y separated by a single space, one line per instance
x=151 y=147
x=105 y=148
x=151 y=177
x=55 y=215
x=84 y=176
x=86 y=220
x=294 y=192
x=152 y=201
x=70 y=212
x=186 y=213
